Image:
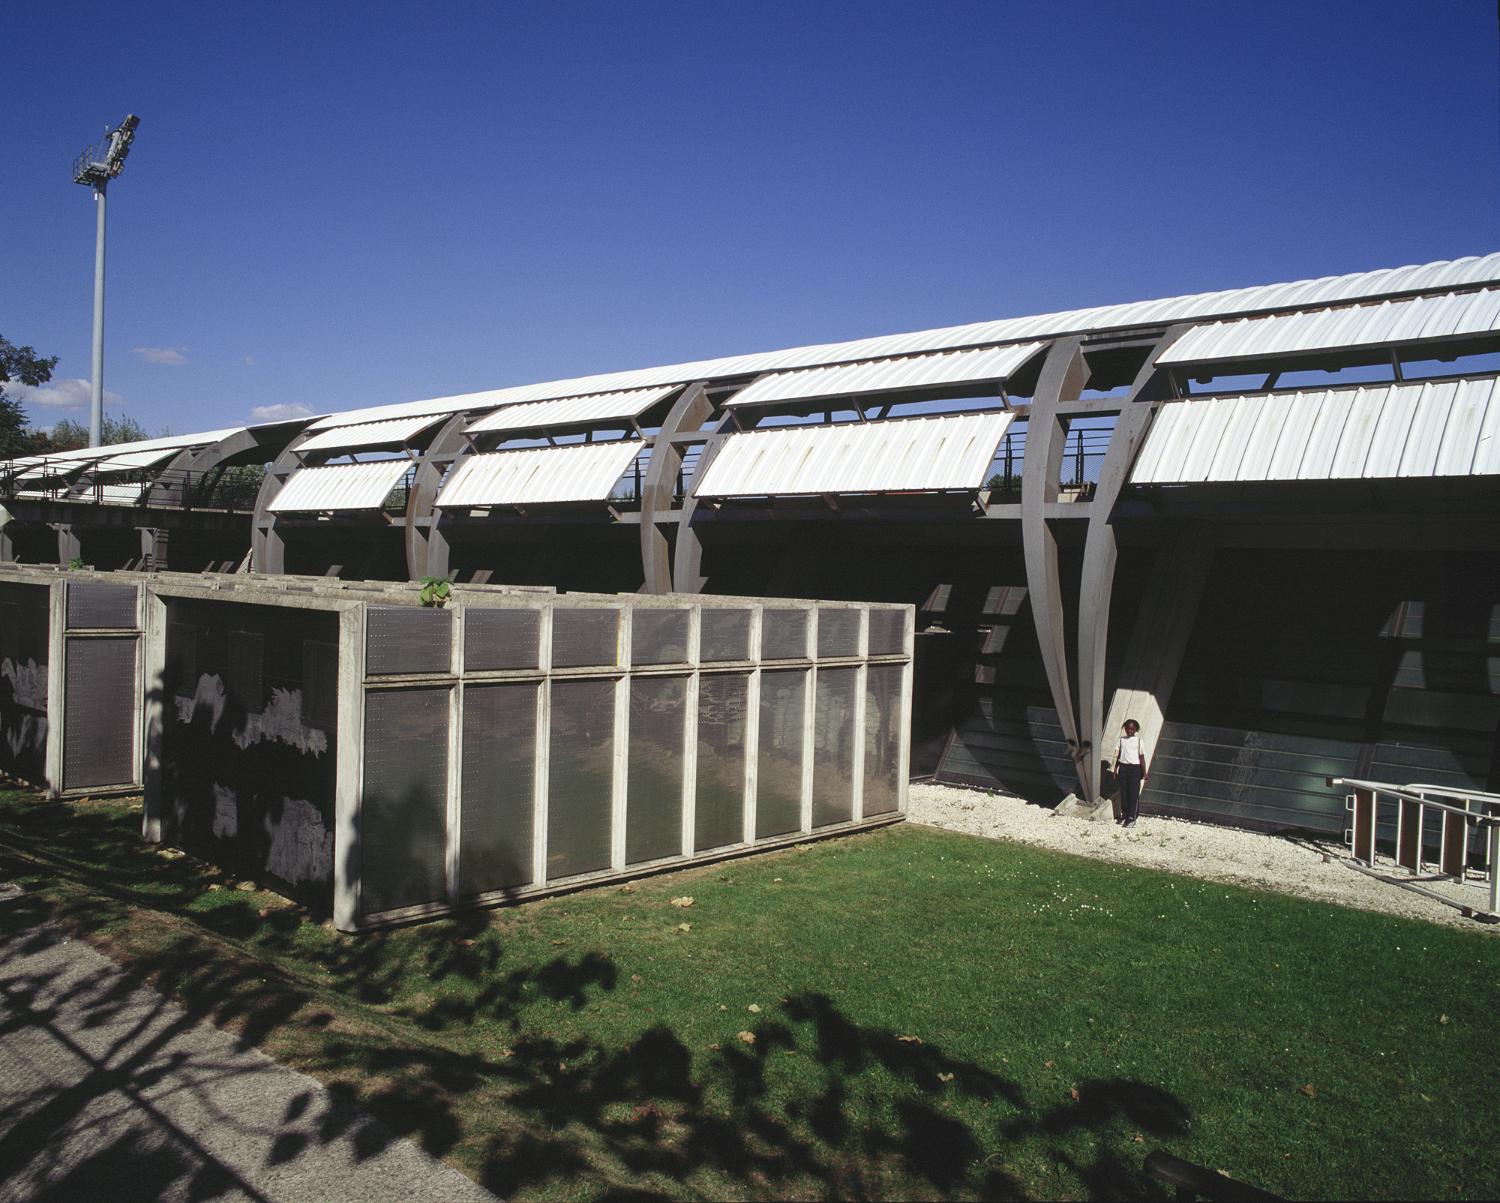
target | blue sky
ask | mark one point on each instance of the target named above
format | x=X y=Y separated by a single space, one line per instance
x=334 y=205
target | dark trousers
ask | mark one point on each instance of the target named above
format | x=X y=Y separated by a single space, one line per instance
x=1130 y=791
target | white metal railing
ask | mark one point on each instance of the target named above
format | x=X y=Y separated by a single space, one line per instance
x=1453 y=815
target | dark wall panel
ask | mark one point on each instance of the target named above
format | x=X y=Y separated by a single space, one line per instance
x=580 y=777
x=838 y=632
x=883 y=733
x=724 y=635
x=783 y=634
x=99 y=705
x=585 y=638
x=719 y=811
x=501 y=639
x=400 y=640
x=833 y=764
x=778 y=769
x=404 y=803
x=499 y=786
x=250 y=783
x=99 y=604
x=24 y=638
x=658 y=636
x=653 y=806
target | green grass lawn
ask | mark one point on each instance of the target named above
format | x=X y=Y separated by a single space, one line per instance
x=931 y=1015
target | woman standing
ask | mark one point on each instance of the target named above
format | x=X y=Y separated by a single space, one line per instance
x=1130 y=772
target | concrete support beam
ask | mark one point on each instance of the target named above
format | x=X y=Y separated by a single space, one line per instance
x=1063 y=376
x=687 y=414
x=426 y=545
x=155 y=548
x=687 y=559
x=69 y=548
x=1158 y=640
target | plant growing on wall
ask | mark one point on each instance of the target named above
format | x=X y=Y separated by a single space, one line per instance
x=436 y=590
x=76 y=565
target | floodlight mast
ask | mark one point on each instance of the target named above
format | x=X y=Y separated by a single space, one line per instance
x=95 y=167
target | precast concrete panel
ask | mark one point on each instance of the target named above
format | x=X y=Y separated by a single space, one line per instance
x=404 y=803
x=581 y=771
x=499 y=786
x=653 y=806
x=659 y=636
x=887 y=632
x=783 y=635
x=838 y=632
x=719 y=807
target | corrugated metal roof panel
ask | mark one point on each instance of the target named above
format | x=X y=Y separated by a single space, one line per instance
x=905 y=455
x=395 y=432
x=884 y=375
x=171 y=442
x=1449 y=428
x=1456 y=273
x=339 y=487
x=540 y=475
x=132 y=461
x=1420 y=318
x=572 y=411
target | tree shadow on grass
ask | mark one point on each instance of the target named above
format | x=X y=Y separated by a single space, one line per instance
x=817 y=1104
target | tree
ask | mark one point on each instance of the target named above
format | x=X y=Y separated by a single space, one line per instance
x=68 y=435
x=24 y=365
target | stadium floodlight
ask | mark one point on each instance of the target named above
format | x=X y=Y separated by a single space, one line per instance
x=95 y=167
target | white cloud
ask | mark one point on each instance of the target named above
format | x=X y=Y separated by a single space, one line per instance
x=60 y=394
x=284 y=412
x=172 y=356
x=249 y=361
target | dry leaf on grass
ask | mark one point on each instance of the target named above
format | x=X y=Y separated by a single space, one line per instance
x=910 y=1039
x=945 y=1077
x=684 y=927
x=636 y=978
x=1309 y=1090
x=1048 y=1064
x=1442 y=1019
x=747 y=1037
x=1073 y=1094
x=685 y=900
x=753 y=1008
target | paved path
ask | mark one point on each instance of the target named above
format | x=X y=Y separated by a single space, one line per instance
x=110 y=1091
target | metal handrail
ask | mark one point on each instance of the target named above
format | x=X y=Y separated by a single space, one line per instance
x=1404 y=794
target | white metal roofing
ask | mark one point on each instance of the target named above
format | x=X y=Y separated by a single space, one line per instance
x=885 y=375
x=370 y=434
x=903 y=455
x=171 y=442
x=1327 y=290
x=1416 y=319
x=1448 y=428
x=540 y=475
x=132 y=461
x=340 y=487
x=572 y=411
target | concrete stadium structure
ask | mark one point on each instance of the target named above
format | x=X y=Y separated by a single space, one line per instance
x=1262 y=522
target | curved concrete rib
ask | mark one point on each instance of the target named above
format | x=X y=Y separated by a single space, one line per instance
x=1064 y=373
x=1100 y=554
x=687 y=414
x=426 y=545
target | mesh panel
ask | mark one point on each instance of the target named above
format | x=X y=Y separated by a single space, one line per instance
x=581 y=775
x=659 y=636
x=724 y=635
x=320 y=684
x=778 y=792
x=838 y=632
x=882 y=738
x=585 y=638
x=653 y=807
x=783 y=635
x=499 y=786
x=833 y=743
x=887 y=632
x=720 y=806
x=404 y=813
x=246 y=678
x=401 y=640
x=501 y=639
x=99 y=699
x=93 y=604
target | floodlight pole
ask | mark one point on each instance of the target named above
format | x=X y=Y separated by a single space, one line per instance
x=96 y=404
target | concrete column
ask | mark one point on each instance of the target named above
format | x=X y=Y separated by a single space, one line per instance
x=69 y=547
x=155 y=542
x=426 y=546
x=1157 y=643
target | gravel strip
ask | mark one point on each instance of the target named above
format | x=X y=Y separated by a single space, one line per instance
x=1302 y=865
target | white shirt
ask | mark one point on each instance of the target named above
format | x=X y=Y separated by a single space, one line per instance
x=1129 y=751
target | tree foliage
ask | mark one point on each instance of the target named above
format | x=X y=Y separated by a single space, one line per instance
x=68 y=435
x=24 y=366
